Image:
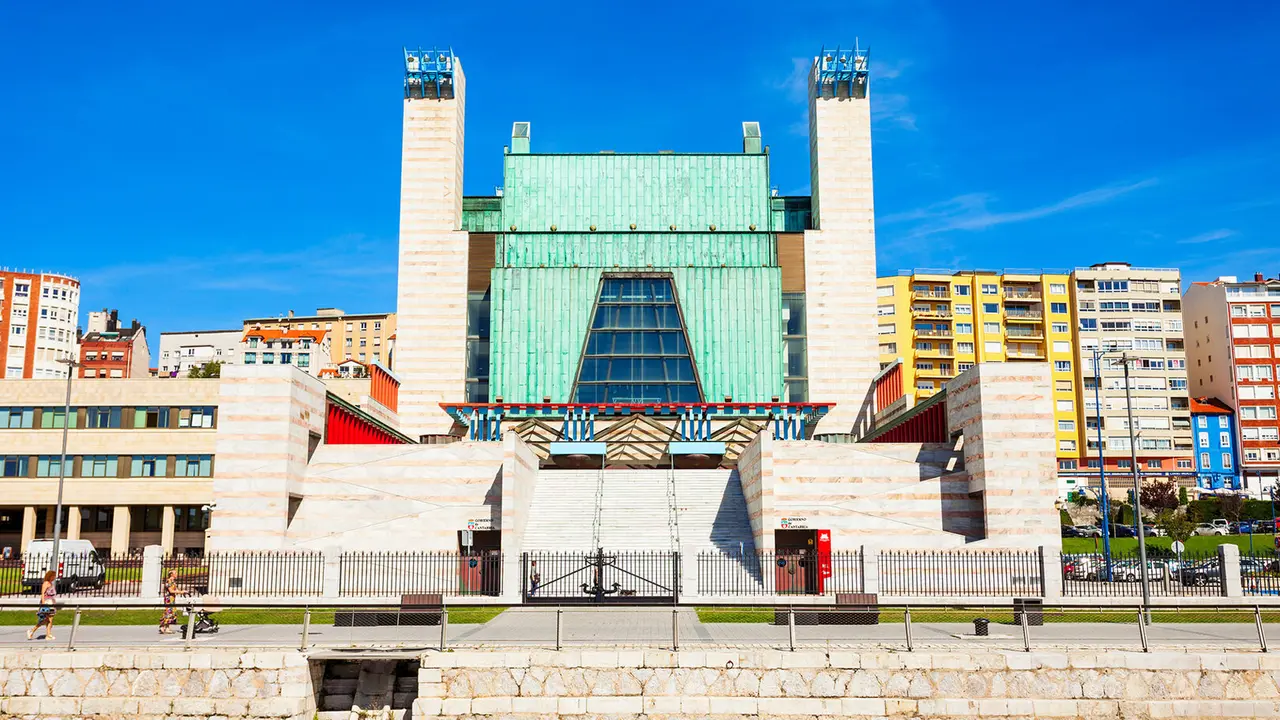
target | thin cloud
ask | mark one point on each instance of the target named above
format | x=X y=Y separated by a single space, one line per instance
x=1206 y=237
x=969 y=211
x=796 y=84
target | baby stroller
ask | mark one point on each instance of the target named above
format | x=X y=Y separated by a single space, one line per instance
x=205 y=622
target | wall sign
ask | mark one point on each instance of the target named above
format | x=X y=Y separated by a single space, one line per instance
x=480 y=524
x=794 y=523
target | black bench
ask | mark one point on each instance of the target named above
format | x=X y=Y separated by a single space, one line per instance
x=415 y=610
x=850 y=609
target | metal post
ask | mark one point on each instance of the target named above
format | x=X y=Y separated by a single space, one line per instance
x=75 y=625
x=191 y=630
x=675 y=628
x=1257 y=619
x=1142 y=629
x=559 y=626
x=906 y=621
x=1026 y=632
x=1137 y=495
x=1105 y=500
x=62 y=469
x=444 y=629
x=791 y=628
x=306 y=629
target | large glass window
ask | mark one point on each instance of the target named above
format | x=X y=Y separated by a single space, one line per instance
x=193 y=466
x=477 y=381
x=16 y=417
x=98 y=466
x=102 y=417
x=795 y=349
x=56 y=417
x=148 y=466
x=151 y=417
x=13 y=466
x=637 y=351
x=196 y=417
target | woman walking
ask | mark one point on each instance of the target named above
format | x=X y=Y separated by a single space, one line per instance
x=170 y=597
x=44 y=615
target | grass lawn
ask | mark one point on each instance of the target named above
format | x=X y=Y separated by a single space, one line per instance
x=232 y=616
x=1196 y=545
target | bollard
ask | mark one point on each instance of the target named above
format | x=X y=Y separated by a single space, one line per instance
x=75 y=625
x=191 y=631
x=906 y=621
x=559 y=626
x=444 y=629
x=1257 y=619
x=1142 y=630
x=791 y=628
x=675 y=629
x=306 y=629
x=1026 y=632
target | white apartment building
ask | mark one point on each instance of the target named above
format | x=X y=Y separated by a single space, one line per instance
x=38 y=316
x=181 y=351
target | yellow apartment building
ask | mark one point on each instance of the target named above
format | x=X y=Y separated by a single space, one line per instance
x=939 y=323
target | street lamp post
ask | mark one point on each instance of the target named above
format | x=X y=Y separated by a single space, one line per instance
x=1137 y=488
x=1102 y=465
x=62 y=465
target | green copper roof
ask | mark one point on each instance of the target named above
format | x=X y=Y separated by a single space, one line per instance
x=636 y=250
x=654 y=192
x=482 y=214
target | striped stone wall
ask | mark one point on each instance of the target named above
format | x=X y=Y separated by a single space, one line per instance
x=755 y=472
x=431 y=303
x=1005 y=412
x=519 y=479
x=267 y=416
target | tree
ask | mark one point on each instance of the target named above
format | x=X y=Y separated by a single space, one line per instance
x=211 y=369
x=1176 y=524
x=1160 y=494
x=1182 y=496
x=1231 y=507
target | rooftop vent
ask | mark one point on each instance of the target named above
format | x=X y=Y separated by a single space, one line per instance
x=520 y=138
x=751 y=137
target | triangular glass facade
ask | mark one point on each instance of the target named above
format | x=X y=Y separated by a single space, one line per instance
x=637 y=350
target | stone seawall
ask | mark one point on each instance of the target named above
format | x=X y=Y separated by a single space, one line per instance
x=608 y=685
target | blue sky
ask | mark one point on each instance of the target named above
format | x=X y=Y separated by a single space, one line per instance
x=198 y=163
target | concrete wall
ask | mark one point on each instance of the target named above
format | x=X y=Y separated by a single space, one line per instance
x=432 y=298
x=268 y=415
x=840 y=261
x=1005 y=413
x=755 y=472
x=397 y=497
x=519 y=480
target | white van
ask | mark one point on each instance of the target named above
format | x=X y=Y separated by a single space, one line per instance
x=80 y=565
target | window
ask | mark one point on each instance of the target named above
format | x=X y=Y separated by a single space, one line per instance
x=1116 y=325
x=1124 y=464
x=16 y=418
x=884 y=291
x=881 y=310
x=1057 y=289
x=268 y=358
x=195 y=417
x=1226 y=461
x=98 y=466
x=1113 y=286
x=1184 y=464
x=304 y=359
x=964 y=348
x=1067 y=445
x=1249 y=331
x=364 y=326
x=961 y=367
x=1258 y=412
x=286 y=358
x=1204 y=460
x=193 y=466
x=964 y=309
x=253 y=342
x=1062 y=365
x=1268 y=433
x=1066 y=405
x=1062 y=385
x=991 y=328
x=1088 y=324
x=49 y=465
x=992 y=346
x=1202 y=421
x=990 y=289
x=1061 y=346
x=990 y=307
x=56 y=417
x=148 y=466
x=150 y=417
x=1094 y=464
x=1224 y=439
x=964 y=328
x=250 y=358
x=1067 y=425
x=13 y=466
x=1260 y=392
x=1253 y=372
x=636 y=350
x=1060 y=327
x=1060 y=308
x=962 y=290
x=102 y=417
x=926 y=346
x=1203 y=439
x=886 y=329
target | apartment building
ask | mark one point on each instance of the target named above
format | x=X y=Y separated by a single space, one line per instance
x=363 y=337
x=112 y=350
x=941 y=323
x=140 y=461
x=1217 y=452
x=1233 y=346
x=38 y=316
x=1133 y=312
x=181 y=351
x=307 y=350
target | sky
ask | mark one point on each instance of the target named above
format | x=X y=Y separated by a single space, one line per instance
x=195 y=164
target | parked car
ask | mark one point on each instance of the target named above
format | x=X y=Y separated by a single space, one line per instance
x=1220 y=523
x=1207 y=529
x=1081 y=567
x=1258 y=566
x=1243 y=527
x=1201 y=573
x=1070 y=531
x=1130 y=570
x=1123 y=531
x=78 y=564
x=1089 y=531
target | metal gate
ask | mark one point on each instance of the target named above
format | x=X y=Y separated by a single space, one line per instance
x=600 y=577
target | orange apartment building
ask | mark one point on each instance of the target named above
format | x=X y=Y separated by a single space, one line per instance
x=38 y=315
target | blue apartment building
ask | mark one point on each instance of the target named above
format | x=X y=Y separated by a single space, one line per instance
x=1217 y=452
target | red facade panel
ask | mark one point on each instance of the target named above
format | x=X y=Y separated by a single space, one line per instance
x=344 y=427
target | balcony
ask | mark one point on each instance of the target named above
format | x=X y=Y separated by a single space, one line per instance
x=1019 y=295
x=934 y=333
x=1023 y=316
x=938 y=352
x=931 y=312
x=1025 y=334
x=945 y=373
x=930 y=295
x=1026 y=355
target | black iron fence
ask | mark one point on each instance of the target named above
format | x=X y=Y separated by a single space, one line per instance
x=1185 y=575
x=390 y=574
x=80 y=574
x=600 y=576
x=910 y=573
x=737 y=574
x=1260 y=573
x=247 y=574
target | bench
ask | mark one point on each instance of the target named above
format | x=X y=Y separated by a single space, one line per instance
x=415 y=610
x=850 y=609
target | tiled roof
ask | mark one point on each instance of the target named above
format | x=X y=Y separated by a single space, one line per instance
x=1209 y=406
x=275 y=334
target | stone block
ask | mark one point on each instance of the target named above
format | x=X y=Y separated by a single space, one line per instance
x=746 y=706
x=571 y=706
x=432 y=689
x=427 y=707
x=632 y=705
x=172 y=661
x=490 y=705
x=660 y=659
x=845 y=660
x=201 y=661
x=456 y=706
x=691 y=659
x=430 y=675
x=599 y=659
x=237 y=706
x=88 y=660
x=1056 y=708
x=193 y=706
x=19 y=706
x=695 y=705
x=803 y=659
x=515 y=659
x=56 y=660
x=536 y=705
x=657 y=705
x=862 y=706
x=109 y=706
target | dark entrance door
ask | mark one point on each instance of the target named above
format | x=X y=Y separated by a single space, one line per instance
x=480 y=564
x=796 y=568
